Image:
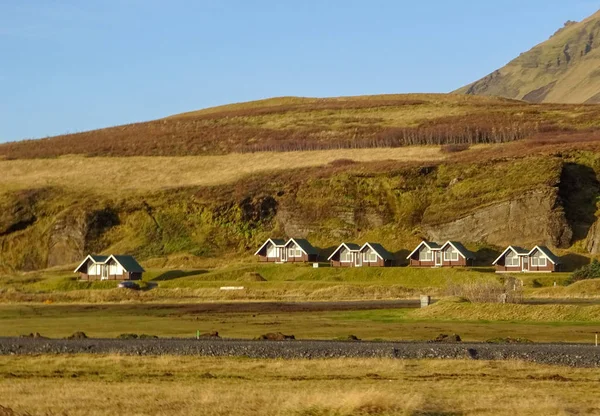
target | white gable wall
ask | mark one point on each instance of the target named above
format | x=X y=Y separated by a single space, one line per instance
x=93 y=268
x=272 y=250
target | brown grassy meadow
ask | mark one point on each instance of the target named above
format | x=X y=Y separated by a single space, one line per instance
x=100 y=385
x=141 y=174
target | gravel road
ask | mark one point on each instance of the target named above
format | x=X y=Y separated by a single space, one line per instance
x=574 y=355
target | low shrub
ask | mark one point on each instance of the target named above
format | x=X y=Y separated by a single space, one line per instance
x=277 y=336
x=342 y=162
x=447 y=338
x=589 y=271
x=136 y=336
x=455 y=148
x=509 y=340
x=77 y=335
x=128 y=336
x=486 y=292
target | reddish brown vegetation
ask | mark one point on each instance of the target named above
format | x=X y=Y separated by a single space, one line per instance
x=455 y=148
x=336 y=124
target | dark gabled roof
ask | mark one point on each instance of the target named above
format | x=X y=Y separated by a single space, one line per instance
x=349 y=246
x=95 y=258
x=352 y=246
x=277 y=241
x=430 y=244
x=467 y=254
x=380 y=250
x=553 y=258
x=129 y=263
x=304 y=245
x=98 y=259
x=520 y=250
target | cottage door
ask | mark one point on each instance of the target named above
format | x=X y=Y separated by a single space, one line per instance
x=283 y=254
x=104 y=272
x=357 y=259
x=438 y=258
x=525 y=265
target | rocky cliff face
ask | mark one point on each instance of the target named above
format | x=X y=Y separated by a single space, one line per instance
x=78 y=232
x=522 y=202
x=531 y=219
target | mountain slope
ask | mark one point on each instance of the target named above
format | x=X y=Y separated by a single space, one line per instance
x=563 y=69
x=295 y=123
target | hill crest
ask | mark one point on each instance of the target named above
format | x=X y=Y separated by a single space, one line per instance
x=563 y=69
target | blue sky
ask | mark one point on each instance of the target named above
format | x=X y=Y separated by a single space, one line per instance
x=71 y=65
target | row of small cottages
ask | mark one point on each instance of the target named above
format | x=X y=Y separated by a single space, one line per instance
x=346 y=255
x=426 y=254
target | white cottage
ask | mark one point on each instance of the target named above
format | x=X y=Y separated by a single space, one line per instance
x=112 y=267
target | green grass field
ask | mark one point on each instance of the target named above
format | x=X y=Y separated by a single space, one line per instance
x=56 y=304
x=473 y=322
x=271 y=282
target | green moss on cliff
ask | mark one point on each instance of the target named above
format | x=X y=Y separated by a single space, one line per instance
x=385 y=202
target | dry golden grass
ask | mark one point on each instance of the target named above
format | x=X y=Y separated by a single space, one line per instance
x=581 y=289
x=152 y=173
x=450 y=310
x=108 y=385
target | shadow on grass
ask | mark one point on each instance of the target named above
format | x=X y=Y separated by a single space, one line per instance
x=572 y=261
x=176 y=274
x=400 y=258
x=484 y=269
x=485 y=256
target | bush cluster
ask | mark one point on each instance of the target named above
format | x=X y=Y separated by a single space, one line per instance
x=589 y=271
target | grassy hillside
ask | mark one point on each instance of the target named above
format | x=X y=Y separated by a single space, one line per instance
x=562 y=69
x=292 y=124
x=386 y=201
x=196 y=187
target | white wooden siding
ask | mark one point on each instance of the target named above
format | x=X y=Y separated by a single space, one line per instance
x=93 y=269
x=272 y=250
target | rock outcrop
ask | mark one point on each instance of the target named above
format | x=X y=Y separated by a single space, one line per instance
x=533 y=218
x=592 y=242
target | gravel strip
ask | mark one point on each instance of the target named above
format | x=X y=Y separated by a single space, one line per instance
x=573 y=355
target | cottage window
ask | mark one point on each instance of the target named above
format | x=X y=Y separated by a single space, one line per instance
x=538 y=260
x=512 y=259
x=346 y=256
x=425 y=254
x=451 y=254
x=370 y=256
x=295 y=252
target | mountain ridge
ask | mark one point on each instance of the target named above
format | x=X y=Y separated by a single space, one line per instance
x=563 y=69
